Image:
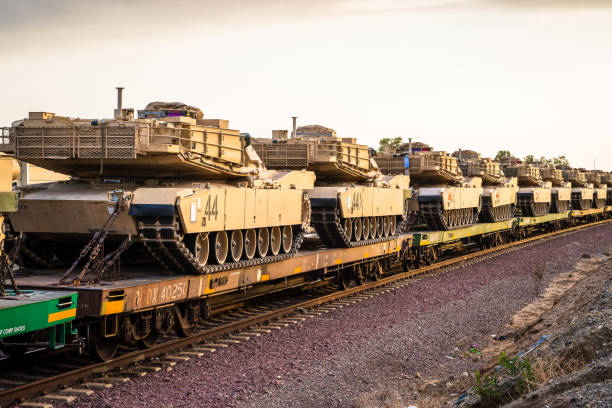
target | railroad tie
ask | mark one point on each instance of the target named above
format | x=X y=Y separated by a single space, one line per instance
x=97 y=385
x=76 y=391
x=67 y=399
x=215 y=345
x=191 y=353
x=117 y=380
x=205 y=349
x=32 y=404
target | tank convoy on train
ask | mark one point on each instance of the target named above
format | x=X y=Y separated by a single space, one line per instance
x=225 y=215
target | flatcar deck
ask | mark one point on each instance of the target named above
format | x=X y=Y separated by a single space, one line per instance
x=141 y=287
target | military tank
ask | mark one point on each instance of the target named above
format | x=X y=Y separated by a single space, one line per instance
x=499 y=194
x=443 y=198
x=561 y=192
x=582 y=192
x=190 y=190
x=599 y=188
x=534 y=194
x=8 y=204
x=352 y=202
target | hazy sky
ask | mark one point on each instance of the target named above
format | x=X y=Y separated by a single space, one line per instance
x=529 y=76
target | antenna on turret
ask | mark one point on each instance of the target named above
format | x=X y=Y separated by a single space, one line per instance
x=118 y=114
x=294 y=118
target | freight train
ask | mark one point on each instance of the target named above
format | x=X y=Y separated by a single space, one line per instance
x=169 y=216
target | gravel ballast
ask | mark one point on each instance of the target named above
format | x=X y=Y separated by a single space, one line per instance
x=421 y=330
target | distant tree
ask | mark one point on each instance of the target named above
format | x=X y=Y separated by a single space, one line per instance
x=560 y=161
x=529 y=158
x=391 y=142
x=502 y=153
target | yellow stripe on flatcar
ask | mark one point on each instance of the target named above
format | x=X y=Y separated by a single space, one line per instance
x=64 y=314
x=297 y=269
x=113 y=307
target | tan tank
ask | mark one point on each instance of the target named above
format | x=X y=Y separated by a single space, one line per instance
x=534 y=195
x=8 y=204
x=599 y=188
x=582 y=192
x=191 y=190
x=499 y=194
x=352 y=202
x=443 y=198
x=561 y=193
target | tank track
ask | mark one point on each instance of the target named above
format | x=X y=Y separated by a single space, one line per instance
x=557 y=206
x=488 y=213
x=578 y=204
x=326 y=222
x=530 y=209
x=434 y=217
x=162 y=239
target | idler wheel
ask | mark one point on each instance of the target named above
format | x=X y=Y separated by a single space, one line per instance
x=357 y=229
x=220 y=248
x=287 y=238
x=386 y=225
x=250 y=243
x=201 y=248
x=393 y=225
x=380 y=228
x=263 y=242
x=275 y=240
x=372 y=227
x=348 y=228
x=365 y=224
x=236 y=245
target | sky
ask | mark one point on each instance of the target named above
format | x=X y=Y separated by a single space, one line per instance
x=529 y=76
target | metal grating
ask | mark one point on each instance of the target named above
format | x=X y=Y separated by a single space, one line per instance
x=109 y=142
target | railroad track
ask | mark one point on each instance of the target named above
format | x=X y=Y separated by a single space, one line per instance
x=235 y=321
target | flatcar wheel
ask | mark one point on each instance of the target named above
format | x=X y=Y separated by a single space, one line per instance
x=348 y=228
x=357 y=229
x=365 y=224
x=360 y=274
x=250 y=244
x=393 y=226
x=372 y=227
x=345 y=279
x=220 y=247
x=236 y=245
x=386 y=225
x=148 y=341
x=380 y=228
x=287 y=238
x=275 y=240
x=375 y=270
x=263 y=242
x=103 y=348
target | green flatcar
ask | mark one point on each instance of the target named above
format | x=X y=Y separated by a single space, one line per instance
x=36 y=318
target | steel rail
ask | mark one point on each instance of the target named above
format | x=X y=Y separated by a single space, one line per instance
x=48 y=384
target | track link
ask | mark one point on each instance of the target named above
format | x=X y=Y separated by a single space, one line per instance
x=434 y=216
x=162 y=238
x=488 y=213
x=327 y=224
